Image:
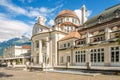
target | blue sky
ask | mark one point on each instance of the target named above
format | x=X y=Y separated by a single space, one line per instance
x=17 y=17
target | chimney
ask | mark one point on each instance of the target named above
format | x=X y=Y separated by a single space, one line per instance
x=41 y=20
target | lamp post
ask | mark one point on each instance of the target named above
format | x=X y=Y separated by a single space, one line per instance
x=46 y=62
x=46 y=66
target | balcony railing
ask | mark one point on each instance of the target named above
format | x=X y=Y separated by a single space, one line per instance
x=80 y=41
x=115 y=34
x=62 y=48
x=97 y=38
x=67 y=47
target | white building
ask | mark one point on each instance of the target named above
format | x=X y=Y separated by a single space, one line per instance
x=93 y=43
x=45 y=39
x=17 y=54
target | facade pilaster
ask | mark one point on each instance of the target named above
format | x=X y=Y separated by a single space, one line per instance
x=87 y=38
x=88 y=60
x=107 y=33
x=40 y=52
x=47 y=49
x=107 y=56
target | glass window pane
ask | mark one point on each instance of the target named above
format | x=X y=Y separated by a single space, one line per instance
x=91 y=57
x=117 y=56
x=117 y=48
x=112 y=56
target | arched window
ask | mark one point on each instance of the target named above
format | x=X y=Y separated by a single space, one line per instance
x=67 y=19
x=100 y=19
x=117 y=13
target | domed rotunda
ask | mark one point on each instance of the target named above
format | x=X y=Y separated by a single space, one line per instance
x=67 y=20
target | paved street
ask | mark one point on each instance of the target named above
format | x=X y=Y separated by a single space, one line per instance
x=37 y=75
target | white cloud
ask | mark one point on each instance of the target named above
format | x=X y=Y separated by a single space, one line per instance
x=12 y=28
x=23 y=1
x=79 y=14
x=33 y=13
x=88 y=13
x=51 y=22
x=30 y=11
x=43 y=9
x=12 y=7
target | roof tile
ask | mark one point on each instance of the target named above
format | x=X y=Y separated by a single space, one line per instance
x=73 y=34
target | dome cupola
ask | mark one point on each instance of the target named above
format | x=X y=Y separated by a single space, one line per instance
x=67 y=16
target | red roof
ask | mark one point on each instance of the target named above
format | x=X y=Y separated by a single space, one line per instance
x=68 y=24
x=68 y=13
x=26 y=47
x=73 y=34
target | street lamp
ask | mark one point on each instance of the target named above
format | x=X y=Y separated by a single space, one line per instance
x=46 y=66
x=46 y=62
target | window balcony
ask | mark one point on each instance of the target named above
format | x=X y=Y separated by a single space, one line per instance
x=80 y=42
x=115 y=34
x=62 y=48
x=97 y=38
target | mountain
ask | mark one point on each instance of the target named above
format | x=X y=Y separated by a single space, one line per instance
x=14 y=41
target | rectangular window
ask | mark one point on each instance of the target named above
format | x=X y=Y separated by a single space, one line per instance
x=64 y=45
x=73 y=20
x=91 y=57
x=115 y=54
x=76 y=58
x=94 y=57
x=112 y=48
x=102 y=49
x=62 y=59
x=117 y=48
x=68 y=44
x=102 y=57
x=67 y=19
x=98 y=50
x=81 y=58
x=68 y=58
x=112 y=56
x=98 y=57
x=84 y=59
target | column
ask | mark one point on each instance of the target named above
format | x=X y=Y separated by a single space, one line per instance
x=88 y=60
x=23 y=61
x=55 y=54
x=87 y=38
x=47 y=45
x=40 y=52
x=47 y=50
x=33 y=53
x=107 y=33
x=107 y=56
